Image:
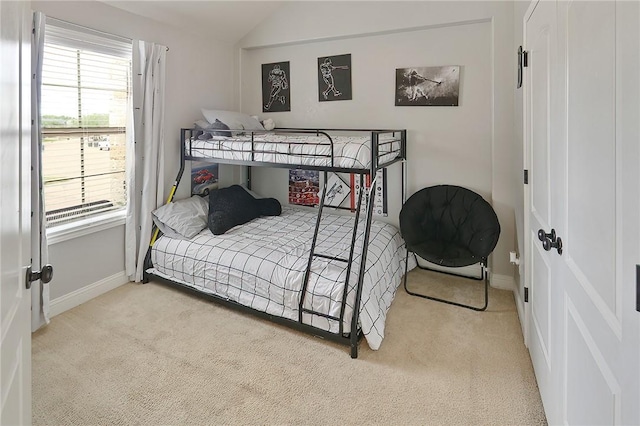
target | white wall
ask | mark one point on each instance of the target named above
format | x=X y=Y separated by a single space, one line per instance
x=438 y=137
x=471 y=145
x=199 y=73
x=86 y=260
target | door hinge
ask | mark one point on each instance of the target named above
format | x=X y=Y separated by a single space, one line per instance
x=523 y=62
x=526 y=177
x=638 y=288
x=526 y=295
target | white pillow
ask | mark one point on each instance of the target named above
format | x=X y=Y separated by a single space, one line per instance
x=235 y=120
x=182 y=219
x=269 y=124
x=202 y=124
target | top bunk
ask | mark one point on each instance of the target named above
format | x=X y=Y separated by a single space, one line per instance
x=337 y=150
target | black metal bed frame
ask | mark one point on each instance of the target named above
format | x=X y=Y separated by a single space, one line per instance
x=354 y=334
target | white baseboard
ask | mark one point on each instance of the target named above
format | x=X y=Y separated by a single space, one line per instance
x=86 y=293
x=503 y=282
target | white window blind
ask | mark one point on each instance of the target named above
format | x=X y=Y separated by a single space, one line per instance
x=86 y=86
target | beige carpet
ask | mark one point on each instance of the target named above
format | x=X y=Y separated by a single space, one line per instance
x=150 y=354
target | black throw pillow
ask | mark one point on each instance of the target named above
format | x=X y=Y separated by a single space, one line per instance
x=268 y=206
x=233 y=206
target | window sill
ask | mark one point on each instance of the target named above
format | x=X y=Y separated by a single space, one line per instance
x=84 y=227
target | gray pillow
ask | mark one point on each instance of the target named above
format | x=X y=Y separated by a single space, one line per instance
x=214 y=129
x=235 y=120
x=182 y=219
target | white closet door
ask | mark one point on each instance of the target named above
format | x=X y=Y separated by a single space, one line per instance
x=15 y=209
x=586 y=356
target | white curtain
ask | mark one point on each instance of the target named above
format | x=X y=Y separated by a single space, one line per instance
x=39 y=248
x=145 y=168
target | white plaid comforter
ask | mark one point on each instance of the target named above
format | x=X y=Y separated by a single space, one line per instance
x=309 y=150
x=262 y=264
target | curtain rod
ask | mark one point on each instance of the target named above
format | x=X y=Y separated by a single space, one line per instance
x=113 y=36
x=68 y=24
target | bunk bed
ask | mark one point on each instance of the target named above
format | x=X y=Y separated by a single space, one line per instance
x=330 y=275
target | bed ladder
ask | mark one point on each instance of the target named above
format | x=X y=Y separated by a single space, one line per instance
x=349 y=261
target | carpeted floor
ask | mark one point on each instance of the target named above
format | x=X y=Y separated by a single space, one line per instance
x=151 y=354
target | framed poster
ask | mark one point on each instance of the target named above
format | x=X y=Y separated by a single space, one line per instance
x=334 y=78
x=276 y=87
x=337 y=190
x=342 y=190
x=380 y=207
x=204 y=177
x=428 y=86
x=304 y=186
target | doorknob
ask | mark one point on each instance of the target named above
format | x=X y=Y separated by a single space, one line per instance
x=45 y=275
x=544 y=236
x=547 y=244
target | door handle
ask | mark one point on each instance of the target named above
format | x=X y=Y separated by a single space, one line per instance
x=550 y=240
x=45 y=275
x=547 y=244
x=544 y=236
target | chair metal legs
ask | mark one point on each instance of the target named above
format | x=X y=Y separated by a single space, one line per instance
x=475 y=308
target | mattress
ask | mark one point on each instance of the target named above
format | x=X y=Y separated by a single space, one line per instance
x=262 y=265
x=349 y=152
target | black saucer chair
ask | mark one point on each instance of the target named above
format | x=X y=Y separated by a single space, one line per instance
x=450 y=226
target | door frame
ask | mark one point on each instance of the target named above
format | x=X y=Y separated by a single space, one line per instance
x=526 y=161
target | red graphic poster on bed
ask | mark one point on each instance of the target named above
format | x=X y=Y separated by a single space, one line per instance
x=204 y=177
x=304 y=186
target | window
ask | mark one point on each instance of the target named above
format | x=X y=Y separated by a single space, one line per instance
x=86 y=86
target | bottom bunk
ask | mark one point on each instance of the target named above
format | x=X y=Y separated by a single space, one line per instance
x=262 y=265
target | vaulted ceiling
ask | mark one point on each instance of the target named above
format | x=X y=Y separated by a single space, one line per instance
x=227 y=21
